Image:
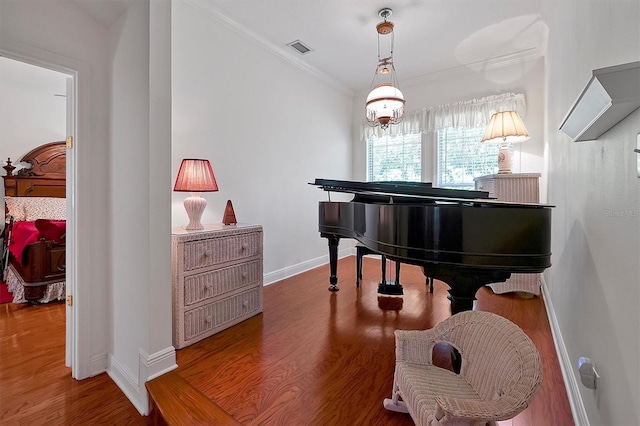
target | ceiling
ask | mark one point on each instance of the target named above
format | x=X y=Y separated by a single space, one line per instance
x=431 y=36
x=105 y=12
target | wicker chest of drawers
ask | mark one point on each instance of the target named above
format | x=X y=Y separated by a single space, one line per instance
x=217 y=279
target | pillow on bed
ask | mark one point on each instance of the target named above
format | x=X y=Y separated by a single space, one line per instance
x=15 y=207
x=45 y=208
x=52 y=229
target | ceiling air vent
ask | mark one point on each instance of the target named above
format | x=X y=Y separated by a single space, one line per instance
x=299 y=47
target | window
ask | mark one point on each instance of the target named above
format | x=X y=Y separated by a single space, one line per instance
x=394 y=158
x=461 y=157
x=454 y=156
x=440 y=144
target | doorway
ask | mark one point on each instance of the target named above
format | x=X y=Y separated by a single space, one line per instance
x=38 y=105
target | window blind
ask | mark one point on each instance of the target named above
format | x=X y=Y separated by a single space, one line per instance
x=462 y=157
x=394 y=158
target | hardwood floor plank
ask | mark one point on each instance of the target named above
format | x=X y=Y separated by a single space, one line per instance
x=36 y=388
x=182 y=404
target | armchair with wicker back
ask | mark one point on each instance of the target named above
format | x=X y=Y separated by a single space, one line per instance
x=501 y=371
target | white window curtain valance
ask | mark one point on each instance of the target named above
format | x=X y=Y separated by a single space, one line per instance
x=471 y=113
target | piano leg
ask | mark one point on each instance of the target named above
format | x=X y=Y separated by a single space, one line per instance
x=428 y=279
x=359 y=254
x=463 y=289
x=463 y=283
x=390 y=288
x=333 y=262
x=462 y=292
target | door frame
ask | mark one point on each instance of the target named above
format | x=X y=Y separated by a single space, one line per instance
x=43 y=59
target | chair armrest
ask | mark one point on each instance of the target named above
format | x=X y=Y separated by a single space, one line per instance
x=453 y=410
x=414 y=346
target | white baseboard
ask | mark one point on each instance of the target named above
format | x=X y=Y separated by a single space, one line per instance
x=290 y=271
x=127 y=381
x=149 y=367
x=98 y=364
x=155 y=365
x=573 y=392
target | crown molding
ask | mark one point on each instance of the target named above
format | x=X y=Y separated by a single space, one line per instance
x=490 y=64
x=276 y=50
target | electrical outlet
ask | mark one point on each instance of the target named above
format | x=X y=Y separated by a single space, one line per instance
x=589 y=377
x=637 y=151
x=588 y=374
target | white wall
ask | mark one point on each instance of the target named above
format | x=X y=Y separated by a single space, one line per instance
x=31 y=113
x=120 y=230
x=59 y=35
x=140 y=224
x=593 y=283
x=464 y=84
x=268 y=129
x=130 y=135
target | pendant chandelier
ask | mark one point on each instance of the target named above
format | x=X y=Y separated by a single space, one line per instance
x=385 y=103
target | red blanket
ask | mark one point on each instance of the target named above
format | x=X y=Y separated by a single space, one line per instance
x=24 y=233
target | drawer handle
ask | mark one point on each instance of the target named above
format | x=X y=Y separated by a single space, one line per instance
x=244 y=246
x=208 y=319
x=245 y=303
x=244 y=274
x=208 y=287
x=207 y=253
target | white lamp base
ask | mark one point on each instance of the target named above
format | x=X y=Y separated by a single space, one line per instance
x=194 y=205
x=504 y=159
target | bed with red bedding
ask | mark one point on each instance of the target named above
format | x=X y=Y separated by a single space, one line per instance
x=35 y=207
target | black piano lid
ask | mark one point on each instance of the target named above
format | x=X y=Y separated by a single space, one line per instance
x=397 y=187
x=416 y=190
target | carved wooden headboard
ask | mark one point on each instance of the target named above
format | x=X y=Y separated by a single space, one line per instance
x=45 y=178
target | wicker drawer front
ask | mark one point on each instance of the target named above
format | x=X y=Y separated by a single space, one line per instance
x=217 y=314
x=204 y=253
x=214 y=283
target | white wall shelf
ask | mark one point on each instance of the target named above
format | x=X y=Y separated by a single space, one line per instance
x=611 y=94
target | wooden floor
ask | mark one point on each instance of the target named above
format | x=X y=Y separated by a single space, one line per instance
x=35 y=386
x=312 y=358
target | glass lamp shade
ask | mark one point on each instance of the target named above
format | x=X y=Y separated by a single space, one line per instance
x=385 y=105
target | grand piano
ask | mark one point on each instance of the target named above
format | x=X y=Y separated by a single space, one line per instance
x=463 y=238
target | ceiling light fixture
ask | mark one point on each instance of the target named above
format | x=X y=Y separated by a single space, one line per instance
x=385 y=103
